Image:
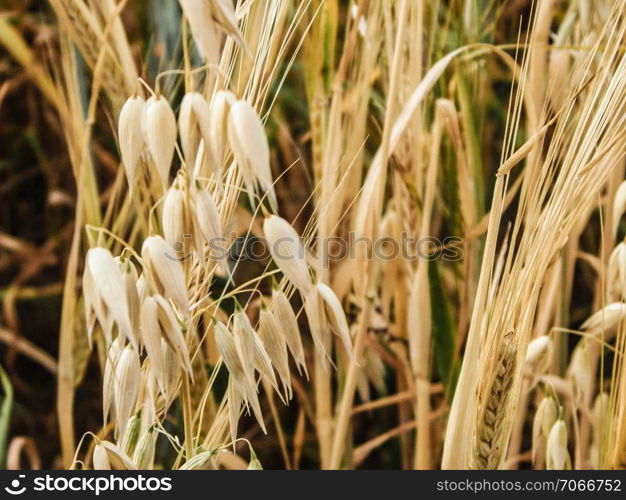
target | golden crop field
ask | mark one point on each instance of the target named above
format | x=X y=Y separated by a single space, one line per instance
x=317 y=234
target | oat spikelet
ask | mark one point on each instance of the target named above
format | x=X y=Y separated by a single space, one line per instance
x=166 y=271
x=218 y=126
x=159 y=130
x=193 y=124
x=289 y=324
x=337 y=317
x=249 y=144
x=126 y=384
x=287 y=252
x=100 y=458
x=488 y=444
x=130 y=136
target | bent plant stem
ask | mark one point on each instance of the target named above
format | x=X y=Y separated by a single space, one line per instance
x=345 y=407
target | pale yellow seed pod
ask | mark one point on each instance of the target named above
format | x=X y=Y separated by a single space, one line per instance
x=151 y=335
x=172 y=331
x=160 y=135
x=218 y=125
x=226 y=346
x=143 y=457
x=142 y=288
x=193 y=124
x=208 y=224
x=619 y=205
x=538 y=355
x=337 y=317
x=544 y=419
x=580 y=373
x=287 y=252
x=235 y=400
x=173 y=218
x=557 y=455
x=249 y=145
x=108 y=293
x=166 y=270
x=126 y=384
x=188 y=129
x=108 y=384
x=117 y=458
x=273 y=339
x=616 y=273
x=289 y=325
x=224 y=14
x=251 y=346
x=129 y=274
x=255 y=463
x=130 y=136
x=244 y=342
x=203 y=29
x=101 y=458
x=606 y=318
x=229 y=350
x=131 y=434
x=601 y=428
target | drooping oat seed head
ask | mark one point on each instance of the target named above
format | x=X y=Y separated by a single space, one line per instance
x=218 y=128
x=228 y=349
x=288 y=252
x=619 y=206
x=251 y=349
x=193 y=124
x=166 y=271
x=106 y=294
x=606 y=319
x=337 y=317
x=159 y=131
x=557 y=454
x=203 y=28
x=131 y=434
x=130 y=136
x=288 y=322
x=249 y=145
x=101 y=458
x=108 y=380
x=117 y=458
x=126 y=387
x=207 y=220
x=143 y=457
x=544 y=419
x=173 y=329
x=151 y=335
x=272 y=336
